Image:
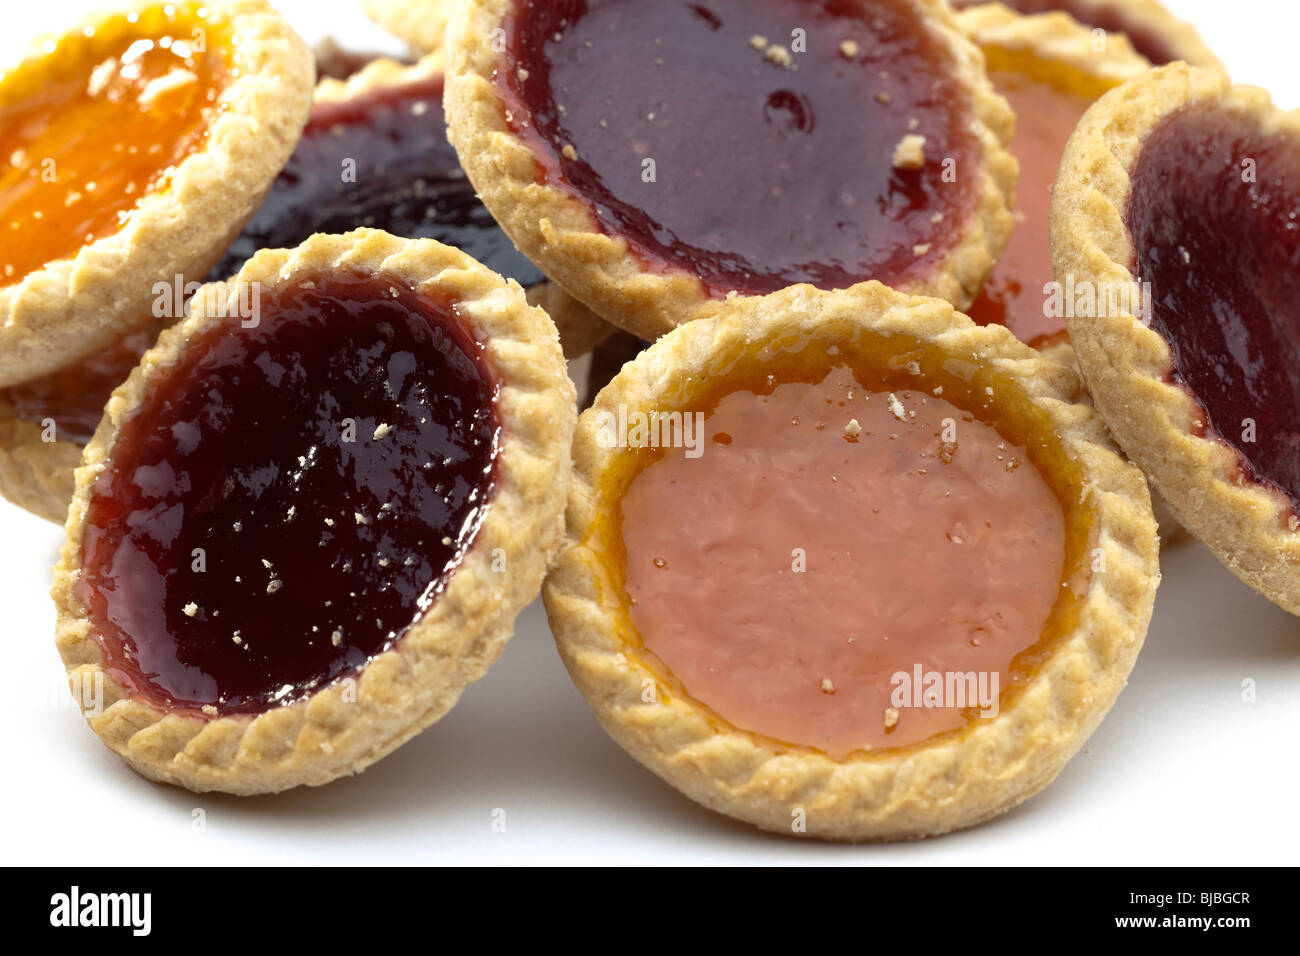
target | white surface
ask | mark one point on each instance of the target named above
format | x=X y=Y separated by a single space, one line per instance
x=1182 y=771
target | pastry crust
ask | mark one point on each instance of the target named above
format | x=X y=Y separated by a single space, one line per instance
x=36 y=475
x=950 y=781
x=559 y=233
x=75 y=307
x=581 y=330
x=1148 y=15
x=380 y=73
x=420 y=23
x=1249 y=527
x=1056 y=38
x=405 y=689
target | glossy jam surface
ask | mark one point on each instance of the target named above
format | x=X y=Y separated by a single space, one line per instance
x=1222 y=254
x=719 y=144
x=95 y=125
x=829 y=537
x=380 y=159
x=74 y=398
x=1112 y=18
x=291 y=497
x=1013 y=292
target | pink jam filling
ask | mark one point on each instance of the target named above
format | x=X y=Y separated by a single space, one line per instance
x=827 y=539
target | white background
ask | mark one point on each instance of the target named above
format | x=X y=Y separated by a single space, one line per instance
x=1181 y=771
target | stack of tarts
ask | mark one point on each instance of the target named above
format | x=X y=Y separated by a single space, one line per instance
x=827 y=553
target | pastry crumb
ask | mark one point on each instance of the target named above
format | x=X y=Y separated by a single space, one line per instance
x=827 y=686
x=920 y=249
x=758 y=43
x=522 y=74
x=274 y=585
x=446 y=542
x=190 y=609
x=209 y=709
x=896 y=408
x=778 y=54
x=884 y=98
x=381 y=430
x=910 y=152
x=853 y=429
x=569 y=153
x=891 y=718
x=849 y=48
x=336 y=638
x=359 y=517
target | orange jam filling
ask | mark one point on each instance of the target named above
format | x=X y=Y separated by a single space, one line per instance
x=838 y=541
x=99 y=122
x=1049 y=99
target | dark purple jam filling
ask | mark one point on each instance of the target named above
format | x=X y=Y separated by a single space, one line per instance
x=381 y=159
x=289 y=499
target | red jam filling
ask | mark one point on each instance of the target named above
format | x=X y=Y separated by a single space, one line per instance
x=380 y=159
x=751 y=143
x=290 y=498
x=1013 y=292
x=1214 y=214
x=1113 y=19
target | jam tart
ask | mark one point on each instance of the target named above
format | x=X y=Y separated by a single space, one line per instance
x=137 y=146
x=302 y=529
x=385 y=117
x=788 y=519
x=865 y=143
x=1146 y=25
x=1177 y=219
